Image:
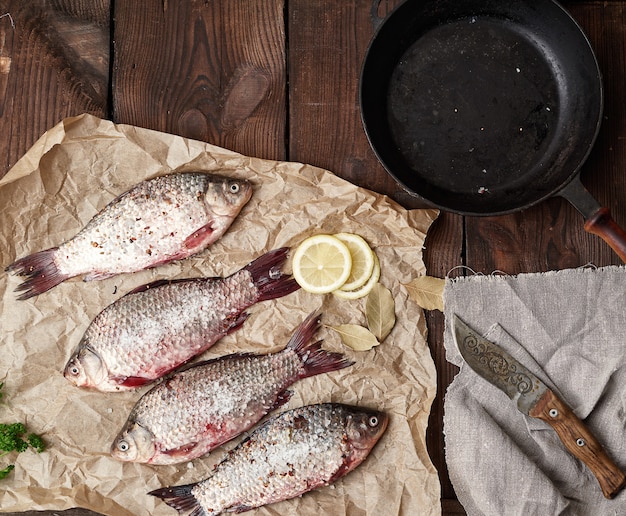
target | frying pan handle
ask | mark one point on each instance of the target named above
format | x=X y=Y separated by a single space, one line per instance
x=598 y=220
x=602 y=224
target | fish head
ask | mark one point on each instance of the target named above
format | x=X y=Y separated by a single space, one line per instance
x=225 y=197
x=363 y=430
x=85 y=368
x=134 y=443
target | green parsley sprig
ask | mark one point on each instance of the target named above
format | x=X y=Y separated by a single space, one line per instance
x=14 y=437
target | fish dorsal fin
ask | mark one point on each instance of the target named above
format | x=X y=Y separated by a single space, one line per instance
x=206 y=362
x=156 y=284
x=148 y=286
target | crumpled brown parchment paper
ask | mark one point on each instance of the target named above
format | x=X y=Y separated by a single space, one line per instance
x=73 y=171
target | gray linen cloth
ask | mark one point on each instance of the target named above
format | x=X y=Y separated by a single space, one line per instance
x=569 y=328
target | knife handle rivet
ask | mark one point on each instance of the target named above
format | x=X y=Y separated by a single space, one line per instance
x=580 y=442
x=553 y=413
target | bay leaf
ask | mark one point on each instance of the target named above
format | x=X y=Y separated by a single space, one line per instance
x=427 y=292
x=380 y=311
x=356 y=337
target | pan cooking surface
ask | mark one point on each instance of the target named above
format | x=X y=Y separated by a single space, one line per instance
x=474 y=105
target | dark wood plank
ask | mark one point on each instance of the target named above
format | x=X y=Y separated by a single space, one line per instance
x=211 y=71
x=327 y=44
x=442 y=253
x=603 y=173
x=54 y=63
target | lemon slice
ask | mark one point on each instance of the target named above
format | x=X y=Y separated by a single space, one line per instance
x=321 y=264
x=365 y=289
x=362 y=260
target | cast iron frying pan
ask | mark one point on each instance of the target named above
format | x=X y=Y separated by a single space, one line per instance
x=486 y=107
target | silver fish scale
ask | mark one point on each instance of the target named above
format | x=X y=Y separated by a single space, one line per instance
x=215 y=397
x=294 y=453
x=145 y=226
x=145 y=333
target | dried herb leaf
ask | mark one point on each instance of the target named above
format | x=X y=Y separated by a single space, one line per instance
x=427 y=292
x=380 y=311
x=356 y=337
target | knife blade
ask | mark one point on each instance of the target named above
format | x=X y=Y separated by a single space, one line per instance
x=535 y=399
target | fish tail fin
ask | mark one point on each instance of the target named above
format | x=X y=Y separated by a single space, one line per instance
x=267 y=276
x=41 y=273
x=315 y=360
x=181 y=499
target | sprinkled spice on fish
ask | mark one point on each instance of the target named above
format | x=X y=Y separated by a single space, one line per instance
x=292 y=453
x=159 y=220
x=209 y=403
x=158 y=327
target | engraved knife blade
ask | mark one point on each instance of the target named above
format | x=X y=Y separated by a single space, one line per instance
x=535 y=399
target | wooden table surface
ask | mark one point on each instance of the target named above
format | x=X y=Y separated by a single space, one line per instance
x=278 y=79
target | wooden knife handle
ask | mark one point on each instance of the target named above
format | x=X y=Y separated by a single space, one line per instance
x=580 y=442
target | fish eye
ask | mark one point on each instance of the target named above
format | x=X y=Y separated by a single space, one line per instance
x=74 y=370
x=373 y=421
x=234 y=188
x=123 y=446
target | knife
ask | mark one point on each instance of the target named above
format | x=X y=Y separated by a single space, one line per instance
x=535 y=399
